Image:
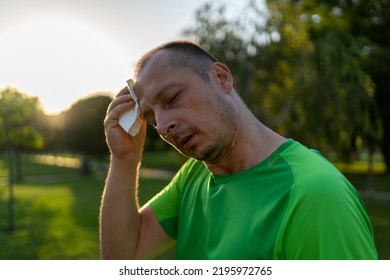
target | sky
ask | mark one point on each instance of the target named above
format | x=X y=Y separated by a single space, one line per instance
x=65 y=50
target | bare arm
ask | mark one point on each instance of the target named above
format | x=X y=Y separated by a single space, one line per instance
x=126 y=232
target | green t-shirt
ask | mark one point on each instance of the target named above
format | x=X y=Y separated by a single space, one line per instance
x=293 y=205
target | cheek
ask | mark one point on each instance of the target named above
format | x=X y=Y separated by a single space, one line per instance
x=225 y=117
x=204 y=113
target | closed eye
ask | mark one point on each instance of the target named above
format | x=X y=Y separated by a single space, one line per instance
x=173 y=98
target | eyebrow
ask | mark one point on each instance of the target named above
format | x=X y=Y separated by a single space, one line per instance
x=157 y=97
x=148 y=113
x=159 y=94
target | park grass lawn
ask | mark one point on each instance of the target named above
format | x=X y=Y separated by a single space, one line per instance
x=56 y=220
x=56 y=217
x=53 y=220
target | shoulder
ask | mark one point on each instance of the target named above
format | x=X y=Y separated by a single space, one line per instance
x=313 y=175
x=325 y=217
x=190 y=170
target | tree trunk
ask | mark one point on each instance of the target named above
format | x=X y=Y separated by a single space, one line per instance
x=385 y=148
x=18 y=167
x=370 y=176
x=11 y=199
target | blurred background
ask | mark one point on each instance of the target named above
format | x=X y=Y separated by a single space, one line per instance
x=316 y=71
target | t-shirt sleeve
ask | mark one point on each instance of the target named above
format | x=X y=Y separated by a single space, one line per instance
x=165 y=204
x=327 y=220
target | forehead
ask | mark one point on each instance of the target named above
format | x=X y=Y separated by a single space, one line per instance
x=157 y=74
x=158 y=62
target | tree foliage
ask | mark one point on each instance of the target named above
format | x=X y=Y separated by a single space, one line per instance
x=338 y=87
x=299 y=69
x=82 y=130
x=17 y=115
x=364 y=27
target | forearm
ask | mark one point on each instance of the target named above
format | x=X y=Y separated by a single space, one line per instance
x=119 y=217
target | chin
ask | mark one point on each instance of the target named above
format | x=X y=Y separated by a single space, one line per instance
x=210 y=154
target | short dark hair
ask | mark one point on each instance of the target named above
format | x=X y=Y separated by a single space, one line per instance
x=184 y=54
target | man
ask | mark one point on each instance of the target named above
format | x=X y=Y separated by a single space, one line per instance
x=246 y=192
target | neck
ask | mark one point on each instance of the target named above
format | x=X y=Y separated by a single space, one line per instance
x=253 y=143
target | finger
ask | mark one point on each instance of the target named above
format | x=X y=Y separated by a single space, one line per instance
x=123 y=91
x=120 y=100
x=112 y=117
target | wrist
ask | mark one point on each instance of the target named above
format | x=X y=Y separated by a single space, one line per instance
x=125 y=161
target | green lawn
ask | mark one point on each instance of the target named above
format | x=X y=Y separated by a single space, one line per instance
x=56 y=216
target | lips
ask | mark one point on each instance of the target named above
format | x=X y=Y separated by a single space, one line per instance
x=185 y=142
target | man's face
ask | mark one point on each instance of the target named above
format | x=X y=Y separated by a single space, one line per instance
x=195 y=116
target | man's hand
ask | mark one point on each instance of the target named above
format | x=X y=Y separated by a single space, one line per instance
x=120 y=143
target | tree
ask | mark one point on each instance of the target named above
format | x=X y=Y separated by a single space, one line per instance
x=368 y=24
x=300 y=78
x=82 y=130
x=17 y=112
x=311 y=80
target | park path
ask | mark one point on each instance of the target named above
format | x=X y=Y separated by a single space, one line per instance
x=144 y=172
x=383 y=196
x=167 y=175
x=100 y=167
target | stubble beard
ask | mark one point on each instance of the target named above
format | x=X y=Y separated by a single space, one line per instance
x=223 y=142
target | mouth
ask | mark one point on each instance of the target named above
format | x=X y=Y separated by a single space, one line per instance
x=186 y=142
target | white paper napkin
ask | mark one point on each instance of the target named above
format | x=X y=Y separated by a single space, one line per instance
x=130 y=121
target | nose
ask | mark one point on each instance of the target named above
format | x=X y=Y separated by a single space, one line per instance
x=165 y=126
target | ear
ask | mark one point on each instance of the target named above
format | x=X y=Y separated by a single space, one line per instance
x=223 y=76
